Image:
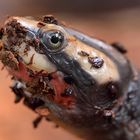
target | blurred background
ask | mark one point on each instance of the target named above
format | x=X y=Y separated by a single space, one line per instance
x=109 y=20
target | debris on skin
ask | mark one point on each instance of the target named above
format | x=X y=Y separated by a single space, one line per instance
x=49 y=19
x=18 y=92
x=38 y=73
x=40 y=85
x=48 y=118
x=1 y=32
x=30 y=73
x=16 y=33
x=36 y=44
x=40 y=24
x=83 y=53
x=43 y=111
x=31 y=60
x=38 y=47
x=119 y=47
x=96 y=62
x=109 y=115
x=37 y=121
x=33 y=102
x=26 y=50
x=56 y=126
x=112 y=90
x=67 y=92
x=1 y=45
x=8 y=59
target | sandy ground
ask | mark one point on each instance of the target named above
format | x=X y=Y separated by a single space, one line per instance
x=15 y=120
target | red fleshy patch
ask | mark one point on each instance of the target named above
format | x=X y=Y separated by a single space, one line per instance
x=59 y=86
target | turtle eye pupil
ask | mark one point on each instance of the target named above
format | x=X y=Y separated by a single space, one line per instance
x=55 y=39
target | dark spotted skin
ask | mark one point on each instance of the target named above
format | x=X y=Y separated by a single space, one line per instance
x=83 y=53
x=50 y=19
x=119 y=47
x=1 y=32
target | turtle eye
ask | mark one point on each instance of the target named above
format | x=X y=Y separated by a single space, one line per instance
x=53 y=40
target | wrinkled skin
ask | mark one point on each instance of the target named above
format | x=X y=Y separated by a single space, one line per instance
x=81 y=83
